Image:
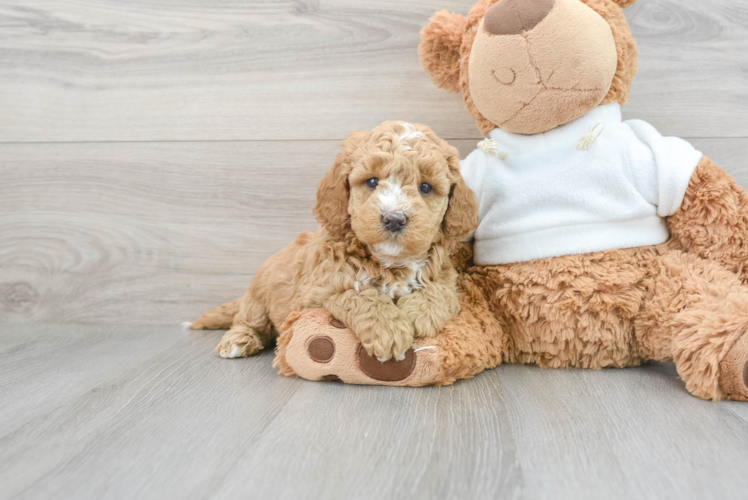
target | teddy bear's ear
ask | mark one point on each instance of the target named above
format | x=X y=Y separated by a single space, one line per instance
x=440 y=49
x=624 y=3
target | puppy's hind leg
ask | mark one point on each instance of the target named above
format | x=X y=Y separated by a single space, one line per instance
x=249 y=334
x=240 y=341
x=218 y=318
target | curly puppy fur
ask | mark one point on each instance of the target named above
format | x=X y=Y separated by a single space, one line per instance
x=447 y=41
x=388 y=286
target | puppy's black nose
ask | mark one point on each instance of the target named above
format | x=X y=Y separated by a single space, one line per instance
x=394 y=221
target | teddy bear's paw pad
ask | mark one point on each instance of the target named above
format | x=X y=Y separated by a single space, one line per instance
x=321 y=349
x=733 y=378
x=337 y=324
x=737 y=388
x=387 y=371
x=740 y=385
x=317 y=346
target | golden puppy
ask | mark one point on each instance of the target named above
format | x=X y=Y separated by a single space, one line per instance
x=392 y=208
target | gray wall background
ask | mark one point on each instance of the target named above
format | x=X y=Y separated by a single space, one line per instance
x=154 y=154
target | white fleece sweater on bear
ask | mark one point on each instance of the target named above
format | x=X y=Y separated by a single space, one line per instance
x=544 y=195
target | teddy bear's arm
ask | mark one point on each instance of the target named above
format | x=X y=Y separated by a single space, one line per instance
x=712 y=221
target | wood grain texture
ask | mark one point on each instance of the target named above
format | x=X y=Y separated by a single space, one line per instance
x=161 y=70
x=157 y=233
x=149 y=412
x=153 y=154
x=125 y=232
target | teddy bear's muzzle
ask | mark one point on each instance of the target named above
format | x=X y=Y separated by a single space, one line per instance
x=537 y=64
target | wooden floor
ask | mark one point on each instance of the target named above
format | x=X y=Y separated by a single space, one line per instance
x=153 y=153
x=146 y=412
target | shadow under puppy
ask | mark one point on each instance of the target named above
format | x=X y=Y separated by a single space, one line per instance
x=392 y=209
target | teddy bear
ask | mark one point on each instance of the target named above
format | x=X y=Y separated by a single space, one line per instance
x=600 y=243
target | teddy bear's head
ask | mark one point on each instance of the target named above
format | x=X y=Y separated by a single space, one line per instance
x=528 y=66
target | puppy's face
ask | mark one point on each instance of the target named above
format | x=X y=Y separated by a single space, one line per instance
x=401 y=191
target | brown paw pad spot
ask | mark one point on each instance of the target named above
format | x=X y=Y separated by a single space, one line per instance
x=745 y=374
x=338 y=324
x=389 y=371
x=321 y=349
x=331 y=378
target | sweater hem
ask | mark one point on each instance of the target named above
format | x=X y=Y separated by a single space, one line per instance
x=571 y=240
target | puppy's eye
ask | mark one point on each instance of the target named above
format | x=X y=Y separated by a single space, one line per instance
x=372 y=183
x=425 y=188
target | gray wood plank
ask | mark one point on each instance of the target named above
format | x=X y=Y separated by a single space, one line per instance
x=181 y=423
x=169 y=425
x=107 y=232
x=636 y=432
x=430 y=443
x=693 y=67
x=64 y=362
x=157 y=233
x=105 y=70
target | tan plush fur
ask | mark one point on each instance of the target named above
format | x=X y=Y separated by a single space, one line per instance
x=713 y=219
x=440 y=49
x=388 y=287
x=473 y=341
x=532 y=81
x=680 y=301
x=438 y=56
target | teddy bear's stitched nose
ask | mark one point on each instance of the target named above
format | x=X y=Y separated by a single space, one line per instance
x=513 y=17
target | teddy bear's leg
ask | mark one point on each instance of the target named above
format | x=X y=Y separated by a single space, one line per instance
x=695 y=313
x=712 y=221
x=474 y=340
x=315 y=346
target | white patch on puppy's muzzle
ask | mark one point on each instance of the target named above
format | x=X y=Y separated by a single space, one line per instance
x=391 y=198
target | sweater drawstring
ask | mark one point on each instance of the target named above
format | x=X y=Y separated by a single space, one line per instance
x=587 y=140
x=490 y=148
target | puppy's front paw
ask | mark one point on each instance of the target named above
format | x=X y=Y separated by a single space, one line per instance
x=428 y=326
x=239 y=343
x=388 y=339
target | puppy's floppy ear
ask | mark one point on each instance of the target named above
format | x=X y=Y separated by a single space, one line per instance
x=440 y=49
x=331 y=209
x=461 y=218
